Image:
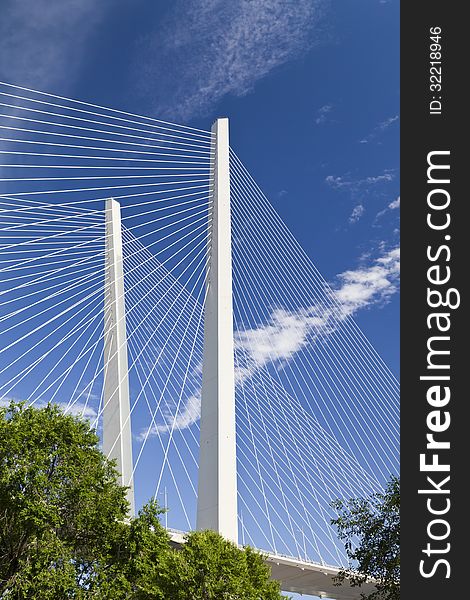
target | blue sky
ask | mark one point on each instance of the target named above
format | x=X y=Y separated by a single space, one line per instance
x=311 y=89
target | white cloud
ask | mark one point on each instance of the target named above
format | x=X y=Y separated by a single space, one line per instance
x=360 y=189
x=357 y=184
x=386 y=124
x=279 y=339
x=357 y=213
x=391 y=206
x=189 y=414
x=379 y=178
x=221 y=47
x=322 y=113
x=78 y=409
x=379 y=129
x=337 y=182
x=42 y=41
x=287 y=332
x=369 y=285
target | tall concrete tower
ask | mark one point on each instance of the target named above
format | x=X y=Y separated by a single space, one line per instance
x=117 y=437
x=217 y=485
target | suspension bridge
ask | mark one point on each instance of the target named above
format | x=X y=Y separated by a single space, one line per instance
x=148 y=284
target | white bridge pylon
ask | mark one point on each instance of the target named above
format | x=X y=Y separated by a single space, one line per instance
x=217 y=474
x=117 y=435
x=217 y=469
x=217 y=484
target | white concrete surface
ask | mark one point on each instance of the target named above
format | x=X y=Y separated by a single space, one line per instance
x=217 y=483
x=117 y=440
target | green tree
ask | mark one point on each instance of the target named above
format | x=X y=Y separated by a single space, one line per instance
x=139 y=569
x=65 y=532
x=62 y=510
x=209 y=567
x=370 y=528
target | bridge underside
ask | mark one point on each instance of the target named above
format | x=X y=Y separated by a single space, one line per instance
x=303 y=577
x=310 y=578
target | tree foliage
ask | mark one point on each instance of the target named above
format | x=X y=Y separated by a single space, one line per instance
x=212 y=568
x=138 y=566
x=60 y=504
x=65 y=530
x=370 y=528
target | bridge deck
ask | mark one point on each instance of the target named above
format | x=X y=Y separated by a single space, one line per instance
x=302 y=577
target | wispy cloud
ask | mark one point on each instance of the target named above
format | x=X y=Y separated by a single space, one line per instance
x=394 y=205
x=361 y=189
x=286 y=332
x=221 y=47
x=5 y=402
x=345 y=182
x=189 y=414
x=78 y=409
x=379 y=129
x=276 y=341
x=369 y=285
x=322 y=113
x=42 y=42
x=357 y=213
